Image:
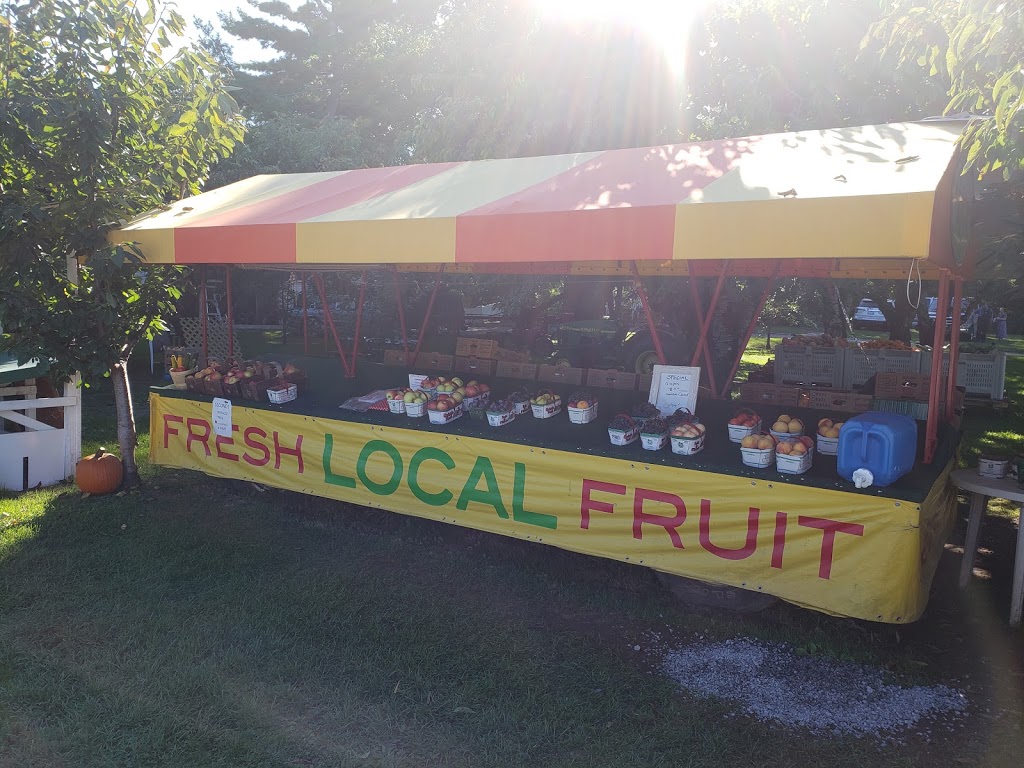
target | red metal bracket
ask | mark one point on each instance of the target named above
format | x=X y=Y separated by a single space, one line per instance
x=202 y=315
x=305 y=317
x=931 y=441
x=638 y=283
x=329 y=322
x=231 y=312
x=359 y=324
x=954 y=346
x=426 y=318
x=750 y=332
x=705 y=324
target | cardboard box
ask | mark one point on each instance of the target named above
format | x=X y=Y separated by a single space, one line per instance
x=557 y=374
x=902 y=386
x=770 y=394
x=645 y=382
x=517 y=370
x=475 y=366
x=435 y=361
x=842 y=402
x=394 y=357
x=511 y=356
x=598 y=377
x=483 y=348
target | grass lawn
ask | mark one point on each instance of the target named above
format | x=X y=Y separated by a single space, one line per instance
x=200 y=622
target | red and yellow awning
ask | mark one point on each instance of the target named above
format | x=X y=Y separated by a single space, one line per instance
x=844 y=195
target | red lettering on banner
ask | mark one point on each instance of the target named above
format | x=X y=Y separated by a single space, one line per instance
x=779 y=542
x=203 y=437
x=668 y=523
x=280 y=450
x=168 y=429
x=218 y=441
x=829 y=529
x=749 y=545
x=588 y=505
x=256 y=446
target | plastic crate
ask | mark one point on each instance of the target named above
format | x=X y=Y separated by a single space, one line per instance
x=861 y=364
x=980 y=375
x=818 y=366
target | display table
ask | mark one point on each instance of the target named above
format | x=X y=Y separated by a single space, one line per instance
x=813 y=539
x=982 y=489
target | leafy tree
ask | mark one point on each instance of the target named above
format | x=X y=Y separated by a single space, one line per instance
x=96 y=125
x=975 y=48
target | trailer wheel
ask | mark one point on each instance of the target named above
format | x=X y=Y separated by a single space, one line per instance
x=720 y=596
x=644 y=362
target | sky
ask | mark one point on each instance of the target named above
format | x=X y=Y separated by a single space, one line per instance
x=245 y=50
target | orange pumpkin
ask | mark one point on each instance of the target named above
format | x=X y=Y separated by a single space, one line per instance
x=100 y=473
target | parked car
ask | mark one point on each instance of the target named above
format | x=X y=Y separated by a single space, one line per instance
x=868 y=316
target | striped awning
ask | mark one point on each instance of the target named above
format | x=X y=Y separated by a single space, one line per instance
x=866 y=193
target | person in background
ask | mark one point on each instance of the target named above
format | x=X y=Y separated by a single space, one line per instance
x=972 y=321
x=984 y=321
x=999 y=324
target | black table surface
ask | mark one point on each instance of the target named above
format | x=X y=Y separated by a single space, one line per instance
x=325 y=396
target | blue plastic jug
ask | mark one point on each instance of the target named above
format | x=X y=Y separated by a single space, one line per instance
x=877 y=448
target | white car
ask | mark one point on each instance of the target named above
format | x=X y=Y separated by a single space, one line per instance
x=868 y=316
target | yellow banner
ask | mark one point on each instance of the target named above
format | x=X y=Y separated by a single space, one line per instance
x=842 y=553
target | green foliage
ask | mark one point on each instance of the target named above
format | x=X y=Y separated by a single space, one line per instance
x=95 y=126
x=763 y=66
x=977 y=48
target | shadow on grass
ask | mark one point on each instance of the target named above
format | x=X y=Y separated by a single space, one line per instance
x=200 y=622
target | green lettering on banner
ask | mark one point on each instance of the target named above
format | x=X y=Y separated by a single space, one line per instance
x=380 y=446
x=518 y=495
x=440 y=498
x=490 y=496
x=329 y=477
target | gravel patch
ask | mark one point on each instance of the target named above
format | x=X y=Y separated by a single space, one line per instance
x=772 y=682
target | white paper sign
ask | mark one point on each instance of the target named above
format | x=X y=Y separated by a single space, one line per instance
x=416 y=381
x=221 y=417
x=674 y=387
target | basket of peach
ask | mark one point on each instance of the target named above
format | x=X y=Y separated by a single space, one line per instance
x=757 y=450
x=793 y=457
x=828 y=436
x=582 y=407
x=687 y=438
x=744 y=424
x=786 y=427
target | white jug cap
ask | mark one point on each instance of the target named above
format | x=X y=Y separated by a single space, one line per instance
x=863 y=478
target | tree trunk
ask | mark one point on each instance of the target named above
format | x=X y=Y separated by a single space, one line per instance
x=126 y=435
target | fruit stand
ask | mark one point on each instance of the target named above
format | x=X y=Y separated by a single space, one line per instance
x=749 y=494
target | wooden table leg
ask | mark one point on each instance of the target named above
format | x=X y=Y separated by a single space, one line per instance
x=978 y=504
x=1017 y=599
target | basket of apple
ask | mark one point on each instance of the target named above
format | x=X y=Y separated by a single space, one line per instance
x=430 y=385
x=654 y=434
x=396 y=399
x=520 y=401
x=415 y=403
x=757 y=450
x=793 y=457
x=828 y=436
x=443 y=409
x=745 y=423
x=786 y=427
x=687 y=438
x=546 y=404
x=501 y=412
x=582 y=407
x=623 y=430
x=476 y=393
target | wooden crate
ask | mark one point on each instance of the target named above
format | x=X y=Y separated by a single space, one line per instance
x=394 y=357
x=475 y=366
x=770 y=394
x=558 y=374
x=511 y=356
x=517 y=370
x=435 y=361
x=842 y=402
x=902 y=386
x=645 y=382
x=482 y=348
x=612 y=379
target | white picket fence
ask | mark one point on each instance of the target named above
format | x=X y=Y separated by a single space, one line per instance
x=41 y=454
